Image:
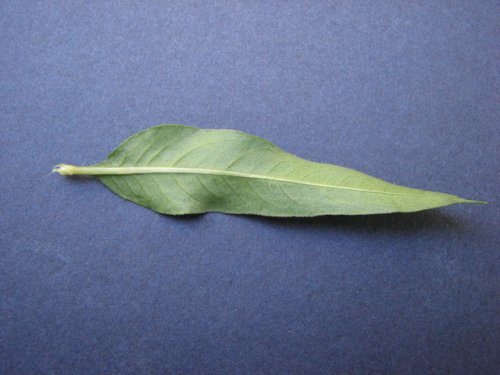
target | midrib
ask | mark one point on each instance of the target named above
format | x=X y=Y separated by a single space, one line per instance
x=97 y=170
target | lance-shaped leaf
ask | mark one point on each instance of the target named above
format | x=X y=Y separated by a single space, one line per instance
x=175 y=169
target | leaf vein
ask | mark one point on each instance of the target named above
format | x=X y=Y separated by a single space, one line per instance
x=185 y=191
x=260 y=196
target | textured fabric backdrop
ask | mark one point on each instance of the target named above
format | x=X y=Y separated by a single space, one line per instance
x=93 y=284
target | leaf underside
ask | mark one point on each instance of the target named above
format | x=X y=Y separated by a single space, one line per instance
x=175 y=169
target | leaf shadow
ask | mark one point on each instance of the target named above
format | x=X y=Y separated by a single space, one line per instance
x=430 y=220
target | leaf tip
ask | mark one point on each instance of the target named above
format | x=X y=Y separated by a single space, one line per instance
x=471 y=201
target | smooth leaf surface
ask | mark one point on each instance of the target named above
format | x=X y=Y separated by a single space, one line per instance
x=176 y=169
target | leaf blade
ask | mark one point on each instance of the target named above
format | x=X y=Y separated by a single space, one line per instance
x=179 y=170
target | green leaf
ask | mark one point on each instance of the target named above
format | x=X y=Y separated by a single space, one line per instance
x=175 y=169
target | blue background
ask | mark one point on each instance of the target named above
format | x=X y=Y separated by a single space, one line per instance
x=405 y=91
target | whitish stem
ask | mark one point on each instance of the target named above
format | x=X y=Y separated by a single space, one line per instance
x=70 y=170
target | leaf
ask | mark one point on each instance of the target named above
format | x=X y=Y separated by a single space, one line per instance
x=175 y=169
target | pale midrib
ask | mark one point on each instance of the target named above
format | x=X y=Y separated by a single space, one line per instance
x=176 y=170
